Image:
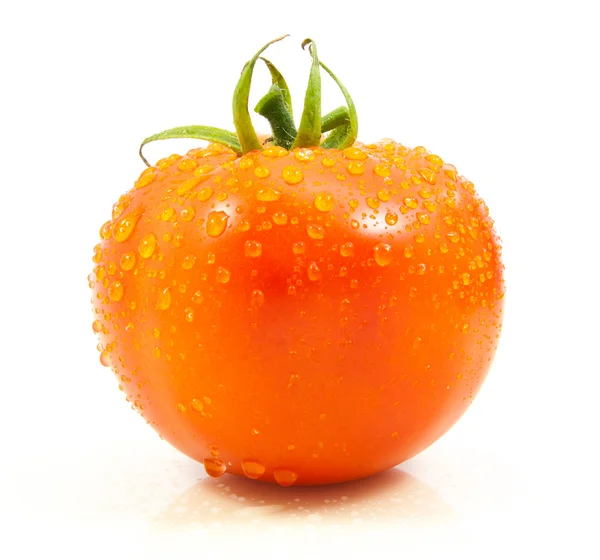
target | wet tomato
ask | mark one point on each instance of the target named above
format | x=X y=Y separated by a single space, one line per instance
x=299 y=312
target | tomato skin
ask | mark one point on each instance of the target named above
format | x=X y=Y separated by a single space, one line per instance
x=324 y=315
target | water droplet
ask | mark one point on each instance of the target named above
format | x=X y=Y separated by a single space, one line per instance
x=216 y=222
x=147 y=245
x=315 y=231
x=274 y=152
x=214 y=467
x=164 y=299
x=205 y=194
x=285 y=477
x=409 y=251
x=188 y=314
x=354 y=224
x=373 y=202
x=428 y=175
x=314 y=272
x=156 y=333
x=423 y=218
x=187 y=213
x=124 y=227
x=167 y=214
x=465 y=328
x=106 y=230
x=211 y=258
x=97 y=326
x=223 y=275
x=262 y=172
x=252 y=249
x=147 y=177
x=453 y=236
x=257 y=298
x=291 y=291
x=115 y=291
x=188 y=261
x=181 y=407
x=299 y=248
x=356 y=168
x=197 y=405
x=324 y=202
x=391 y=218
x=354 y=153
x=328 y=161
x=252 y=469
x=304 y=154
x=105 y=358
x=127 y=261
x=383 y=254
x=268 y=195
x=187 y=164
x=292 y=175
x=384 y=195
x=382 y=170
x=411 y=202
x=465 y=278
x=347 y=249
x=198 y=297
x=435 y=160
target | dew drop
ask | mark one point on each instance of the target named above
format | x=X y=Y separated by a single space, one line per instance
x=383 y=254
x=373 y=202
x=181 y=408
x=354 y=224
x=188 y=261
x=105 y=358
x=408 y=251
x=423 y=218
x=315 y=231
x=188 y=314
x=453 y=236
x=97 y=326
x=214 y=467
x=216 y=222
x=257 y=298
x=197 y=405
x=280 y=218
x=292 y=175
x=223 y=275
x=198 y=297
x=164 y=299
x=391 y=218
x=354 y=153
x=314 y=272
x=188 y=213
x=127 y=260
x=299 y=248
x=356 y=168
x=147 y=245
x=285 y=477
x=252 y=469
x=115 y=291
x=268 y=195
x=252 y=249
x=124 y=227
x=324 y=202
x=411 y=202
x=262 y=172
x=347 y=249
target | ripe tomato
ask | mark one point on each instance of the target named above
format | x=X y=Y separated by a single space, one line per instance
x=305 y=315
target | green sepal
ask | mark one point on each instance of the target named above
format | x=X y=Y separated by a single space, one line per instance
x=309 y=131
x=198 y=132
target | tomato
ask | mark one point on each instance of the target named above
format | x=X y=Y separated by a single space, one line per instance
x=303 y=314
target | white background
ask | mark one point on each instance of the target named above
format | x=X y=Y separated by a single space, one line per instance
x=506 y=91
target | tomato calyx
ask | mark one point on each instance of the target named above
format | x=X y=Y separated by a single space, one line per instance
x=276 y=107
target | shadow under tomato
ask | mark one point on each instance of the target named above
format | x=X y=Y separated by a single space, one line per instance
x=392 y=497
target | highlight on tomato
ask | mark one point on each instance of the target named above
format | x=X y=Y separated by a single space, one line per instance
x=302 y=308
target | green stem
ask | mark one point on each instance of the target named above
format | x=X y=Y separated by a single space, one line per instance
x=309 y=131
x=241 y=116
x=275 y=109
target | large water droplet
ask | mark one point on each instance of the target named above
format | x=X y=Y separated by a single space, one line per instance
x=252 y=469
x=285 y=477
x=216 y=223
x=252 y=249
x=383 y=254
x=147 y=245
x=324 y=202
x=124 y=226
x=164 y=299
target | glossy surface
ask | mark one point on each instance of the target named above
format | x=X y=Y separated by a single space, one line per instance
x=305 y=317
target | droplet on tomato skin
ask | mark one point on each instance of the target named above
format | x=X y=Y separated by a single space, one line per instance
x=127 y=260
x=223 y=275
x=188 y=314
x=252 y=249
x=97 y=326
x=280 y=218
x=324 y=202
x=147 y=245
x=315 y=231
x=214 y=467
x=106 y=230
x=354 y=224
x=198 y=297
x=187 y=214
x=105 y=358
x=304 y=155
x=356 y=168
x=205 y=194
x=268 y=195
x=465 y=278
x=115 y=291
x=146 y=178
x=124 y=227
x=180 y=407
x=383 y=254
x=409 y=251
x=197 y=405
x=299 y=248
x=188 y=261
x=164 y=299
x=423 y=218
x=252 y=469
x=347 y=249
x=314 y=272
x=285 y=477
x=354 y=153
x=262 y=172
x=216 y=223
x=428 y=175
x=257 y=298
x=372 y=202
x=391 y=218
x=292 y=175
x=411 y=202
x=453 y=236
